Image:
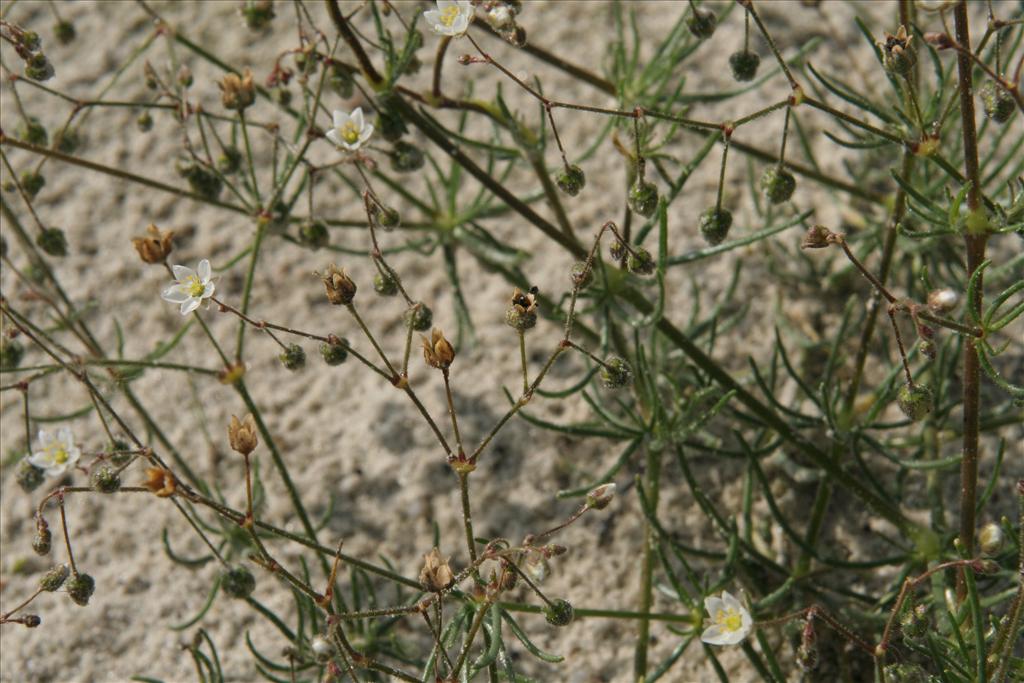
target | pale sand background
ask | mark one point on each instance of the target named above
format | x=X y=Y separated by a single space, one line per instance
x=345 y=433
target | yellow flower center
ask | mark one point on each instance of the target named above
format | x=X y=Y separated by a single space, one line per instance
x=729 y=619
x=350 y=133
x=449 y=14
x=195 y=286
x=60 y=456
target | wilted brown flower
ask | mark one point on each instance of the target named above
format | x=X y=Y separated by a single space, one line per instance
x=438 y=351
x=155 y=246
x=436 y=575
x=237 y=92
x=340 y=287
x=522 y=310
x=160 y=481
x=242 y=434
x=816 y=237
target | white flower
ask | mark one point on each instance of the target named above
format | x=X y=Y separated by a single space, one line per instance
x=56 y=454
x=191 y=287
x=730 y=621
x=451 y=18
x=350 y=130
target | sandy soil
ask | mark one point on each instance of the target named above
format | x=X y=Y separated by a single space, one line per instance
x=345 y=434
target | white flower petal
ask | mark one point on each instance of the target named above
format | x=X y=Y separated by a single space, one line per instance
x=713 y=635
x=65 y=436
x=433 y=18
x=39 y=459
x=731 y=602
x=204 y=271
x=340 y=118
x=333 y=136
x=357 y=118
x=367 y=132
x=713 y=604
x=208 y=291
x=175 y=294
x=44 y=437
x=190 y=305
x=182 y=273
x=442 y=5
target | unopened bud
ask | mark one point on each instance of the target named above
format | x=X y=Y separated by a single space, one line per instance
x=777 y=184
x=643 y=198
x=581 y=275
x=419 y=317
x=990 y=538
x=105 y=479
x=915 y=621
x=334 y=352
x=807 y=653
x=43 y=539
x=406 y=157
x=293 y=357
x=32 y=183
x=927 y=349
x=559 y=613
x=237 y=582
x=321 y=646
x=53 y=242
x=64 y=31
x=915 y=400
x=571 y=180
x=29 y=477
x=640 y=262
x=257 y=14
x=388 y=218
x=714 y=225
x=985 y=566
x=144 y=122
x=702 y=24
x=997 y=102
x=744 y=65
x=384 y=284
x=38 y=67
x=942 y=300
x=55 y=578
x=184 y=76
x=616 y=373
x=313 y=234
x=80 y=589
x=32 y=131
x=599 y=498
x=31 y=620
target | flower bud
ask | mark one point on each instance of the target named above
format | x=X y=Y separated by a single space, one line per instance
x=29 y=477
x=340 y=287
x=571 y=180
x=53 y=242
x=80 y=589
x=581 y=275
x=64 y=31
x=237 y=582
x=390 y=125
x=293 y=357
x=38 y=67
x=32 y=183
x=898 y=55
x=985 y=567
x=230 y=160
x=744 y=65
x=29 y=40
x=384 y=284
x=54 y=579
x=201 y=180
x=105 y=479
x=807 y=653
x=144 y=122
x=149 y=76
x=601 y=497
x=915 y=400
x=388 y=218
x=702 y=24
x=990 y=538
x=558 y=613
x=927 y=349
x=715 y=224
x=242 y=434
x=997 y=102
x=616 y=373
x=43 y=539
x=237 y=92
x=643 y=198
x=31 y=620
x=521 y=313
x=184 y=76
x=942 y=300
x=155 y=246
x=341 y=81
x=617 y=250
x=33 y=132
x=419 y=317
x=257 y=14
x=406 y=157
x=334 y=352
x=435 y=575
x=914 y=621
x=313 y=234
x=321 y=647
x=777 y=184
x=438 y=351
x=816 y=237
x=67 y=140
x=640 y=262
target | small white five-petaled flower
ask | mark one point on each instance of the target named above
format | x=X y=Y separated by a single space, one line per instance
x=350 y=130
x=451 y=18
x=56 y=453
x=730 y=621
x=190 y=287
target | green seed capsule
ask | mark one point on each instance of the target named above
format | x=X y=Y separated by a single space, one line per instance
x=54 y=579
x=385 y=285
x=641 y=262
x=105 y=480
x=997 y=102
x=293 y=358
x=53 y=242
x=334 y=354
x=915 y=400
x=702 y=24
x=559 y=613
x=80 y=589
x=643 y=198
x=715 y=224
x=777 y=184
x=744 y=65
x=238 y=582
x=314 y=235
x=571 y=180
x=419 y=317
x=616 y=373
x=28 y=476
